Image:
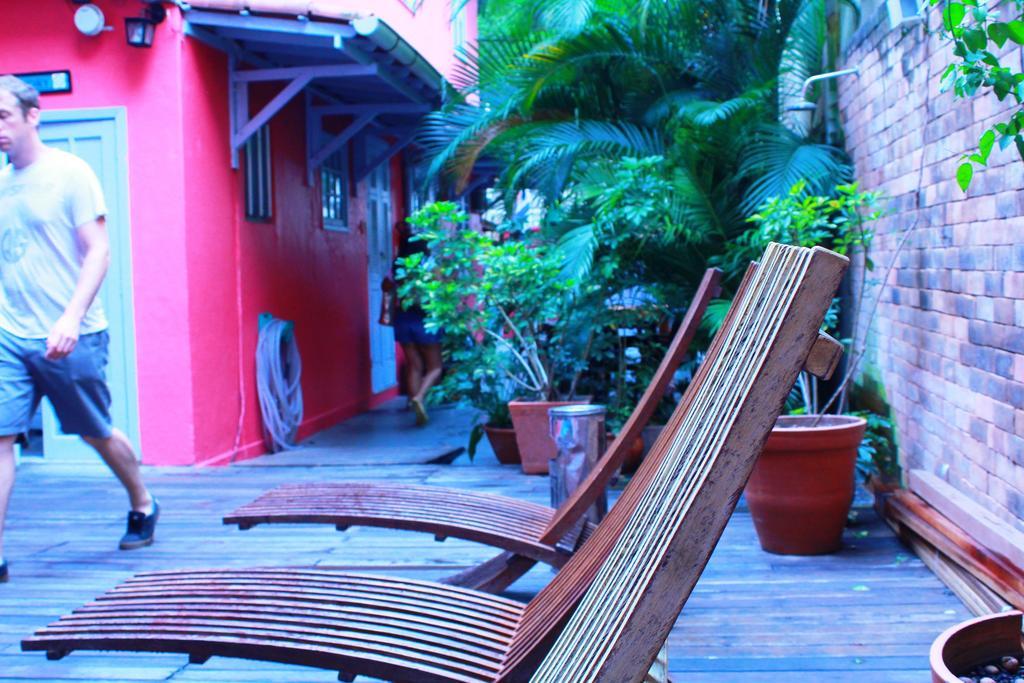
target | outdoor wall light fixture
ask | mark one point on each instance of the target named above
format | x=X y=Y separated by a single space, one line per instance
x=139 y=30
x=89 y=19
x=804 y=110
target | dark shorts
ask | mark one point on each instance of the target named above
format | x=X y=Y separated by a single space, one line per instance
x=409 y=329
x=76 y=385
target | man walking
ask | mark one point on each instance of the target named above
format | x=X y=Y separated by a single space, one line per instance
x=54 y=254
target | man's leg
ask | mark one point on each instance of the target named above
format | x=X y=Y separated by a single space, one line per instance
x=119 y=455
x=6 y=482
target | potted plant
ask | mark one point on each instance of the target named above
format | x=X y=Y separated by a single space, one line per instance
x=801 y=487
x=964 y=651
x=477 y=378
x=513 y=322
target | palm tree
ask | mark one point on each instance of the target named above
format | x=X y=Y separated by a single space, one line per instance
x=561 y=90
x=624 y=80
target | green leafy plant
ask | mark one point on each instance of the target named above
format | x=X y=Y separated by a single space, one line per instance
x=514 y=326
x=616 y=214
x=877 y=452
x=977 y=34
x=842 y=222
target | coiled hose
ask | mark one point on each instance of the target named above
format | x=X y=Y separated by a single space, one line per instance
x=278 y=370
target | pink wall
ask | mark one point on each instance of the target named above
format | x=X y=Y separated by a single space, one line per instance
x=40 y=36
x=290 y=267
x=202 y=274
x=429 y=30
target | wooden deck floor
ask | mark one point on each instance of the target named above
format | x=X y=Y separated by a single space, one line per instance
x=866 y=614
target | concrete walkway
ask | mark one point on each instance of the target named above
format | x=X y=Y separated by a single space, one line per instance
x=866 y=614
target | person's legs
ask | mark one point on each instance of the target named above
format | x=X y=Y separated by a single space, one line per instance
x=6 y=482
x=431 y=354
x=119 y=455
x=76 y=386
x=18 y=400
x=413 y=368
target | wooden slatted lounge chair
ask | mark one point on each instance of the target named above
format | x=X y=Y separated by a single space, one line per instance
x=659 y=535
x=527 y=532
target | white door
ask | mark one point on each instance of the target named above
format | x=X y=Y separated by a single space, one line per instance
x=98 y=137
x=378 y=239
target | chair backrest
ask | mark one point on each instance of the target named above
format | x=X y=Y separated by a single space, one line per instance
x=642 y=562
x=572 y=510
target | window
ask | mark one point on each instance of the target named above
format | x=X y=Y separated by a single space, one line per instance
x=334 y=191
x=418 y=191
x=459 y=24
x=904 y=11
x=258 y=189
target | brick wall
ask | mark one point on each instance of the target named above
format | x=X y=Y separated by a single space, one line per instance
x=946 y=349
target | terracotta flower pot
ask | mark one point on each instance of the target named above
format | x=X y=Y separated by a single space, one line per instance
x=634 y=456
x=975 y=642
x=533 y=433
x=503 y=443
x=801 y=487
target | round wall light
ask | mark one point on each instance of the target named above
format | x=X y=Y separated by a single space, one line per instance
x=89 y=20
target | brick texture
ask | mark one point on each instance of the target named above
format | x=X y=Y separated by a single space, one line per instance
x=947 y=340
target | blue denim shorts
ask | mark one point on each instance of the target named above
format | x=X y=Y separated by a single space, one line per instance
x=76 y=385
x=409 y=329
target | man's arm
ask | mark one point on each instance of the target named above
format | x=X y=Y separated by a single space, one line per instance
x=95 y=243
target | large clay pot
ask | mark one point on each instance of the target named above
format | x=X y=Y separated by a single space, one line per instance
x=975 y=642
x=634 y=456
x=801 y=487
x=533 y=432
x=503 y=443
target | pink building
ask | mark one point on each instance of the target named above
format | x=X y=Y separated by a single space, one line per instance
x=256 y=159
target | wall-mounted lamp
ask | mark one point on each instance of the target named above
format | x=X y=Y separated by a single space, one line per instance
x=89 y=19
x=802 y=112
x=139 y=30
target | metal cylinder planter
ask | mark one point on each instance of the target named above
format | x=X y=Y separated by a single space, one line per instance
x=530 y=419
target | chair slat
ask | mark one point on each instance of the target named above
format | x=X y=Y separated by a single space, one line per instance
x=533 y=531
x=628 y=610
x=639 y=564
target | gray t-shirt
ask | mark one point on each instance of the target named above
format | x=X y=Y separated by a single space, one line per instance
x=41 y=207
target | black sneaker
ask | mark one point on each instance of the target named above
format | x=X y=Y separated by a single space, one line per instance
x=4 y=575
x=141 y=528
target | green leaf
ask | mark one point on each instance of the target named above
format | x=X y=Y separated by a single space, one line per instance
x=953 y=15
x=1016 y=31
x=1019 y=141
x=999 y=33
x=988 y=138
x=975 y=39
x=964 y=175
